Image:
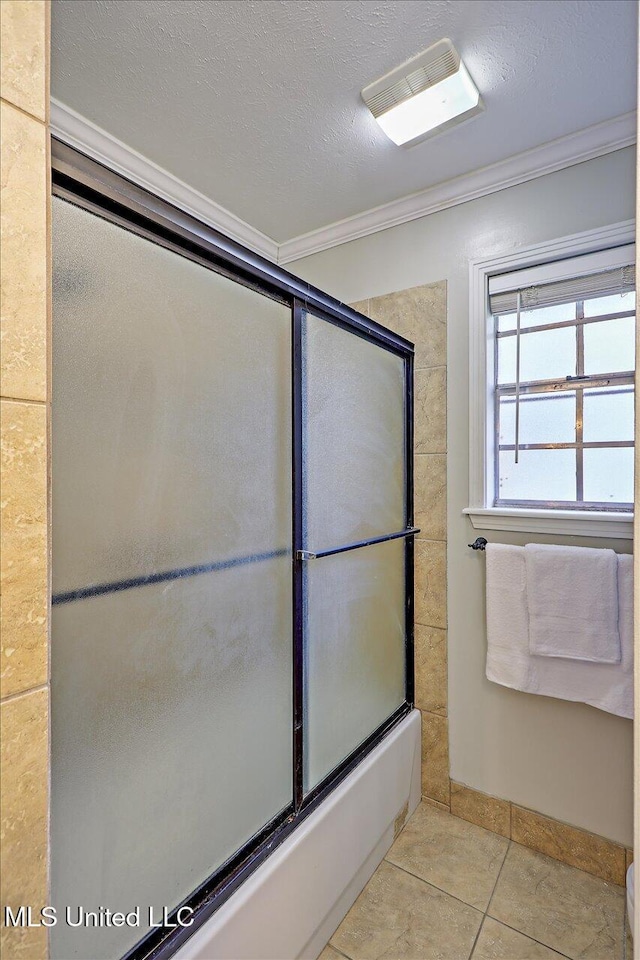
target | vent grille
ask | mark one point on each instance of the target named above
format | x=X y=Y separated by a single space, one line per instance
x=434 y=65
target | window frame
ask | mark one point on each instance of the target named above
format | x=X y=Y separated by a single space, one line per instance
x=533 y=517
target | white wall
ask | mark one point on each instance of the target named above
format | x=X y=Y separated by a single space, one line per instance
x=567 y=760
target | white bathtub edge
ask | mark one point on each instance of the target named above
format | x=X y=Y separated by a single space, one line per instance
x=290 y=906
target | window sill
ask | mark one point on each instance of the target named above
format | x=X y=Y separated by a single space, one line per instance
x=575 y=523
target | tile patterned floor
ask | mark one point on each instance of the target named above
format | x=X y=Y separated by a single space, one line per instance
x=449 y=890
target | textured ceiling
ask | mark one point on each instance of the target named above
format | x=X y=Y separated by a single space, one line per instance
x=257 y=104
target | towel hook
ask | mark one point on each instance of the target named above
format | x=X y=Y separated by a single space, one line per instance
x=479 y=544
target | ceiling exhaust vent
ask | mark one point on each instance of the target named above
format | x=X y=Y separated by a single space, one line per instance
x=429 y=93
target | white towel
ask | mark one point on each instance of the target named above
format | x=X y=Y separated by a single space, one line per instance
x=605 y=686
x=508 y=660
x=572 y=595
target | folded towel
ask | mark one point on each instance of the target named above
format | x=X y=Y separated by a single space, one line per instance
x=508 y=660
x=605 y=686
x=572 y=595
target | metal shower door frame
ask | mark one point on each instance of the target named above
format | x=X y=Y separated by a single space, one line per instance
x=91 y=186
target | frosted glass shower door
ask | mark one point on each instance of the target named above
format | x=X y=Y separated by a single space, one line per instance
x=171 y=648
x=232 y=558
x=355 y=486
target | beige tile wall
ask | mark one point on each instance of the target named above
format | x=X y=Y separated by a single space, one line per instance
x=420 y=314
x=24 y=697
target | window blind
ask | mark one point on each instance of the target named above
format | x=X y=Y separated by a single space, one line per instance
x=620 y=280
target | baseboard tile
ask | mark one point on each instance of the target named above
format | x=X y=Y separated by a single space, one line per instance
x=574 y=846
x=479 y=808
x=570 y=845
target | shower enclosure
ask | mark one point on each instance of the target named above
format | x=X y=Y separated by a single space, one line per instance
x=232 y=559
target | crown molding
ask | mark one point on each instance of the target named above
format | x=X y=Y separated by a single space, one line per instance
x=596 y=141
x=587 y=144
x=78 y=132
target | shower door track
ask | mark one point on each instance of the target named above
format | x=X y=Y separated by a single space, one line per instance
x=97 y=189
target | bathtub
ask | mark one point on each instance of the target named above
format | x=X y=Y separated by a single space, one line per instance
x=293 y=902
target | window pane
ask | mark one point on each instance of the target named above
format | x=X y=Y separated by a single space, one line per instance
x=546 y=355
x=609 y=346
x=355 y=657
x=354 y=437
x=544 y=418
x=533 y=318
x=608 y=415
x=618 y=303
x=608 y=475
x=540 y=475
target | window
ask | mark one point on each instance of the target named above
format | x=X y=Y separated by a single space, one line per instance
x=564 y=391
x=558 y=411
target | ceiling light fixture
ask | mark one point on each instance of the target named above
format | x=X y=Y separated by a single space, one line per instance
x=426 y=95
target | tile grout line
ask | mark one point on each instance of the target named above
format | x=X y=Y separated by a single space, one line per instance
x=613 y=846
x=24 y=693
x=527 y=846
x=504 y=859
x=475 y=942
x=487 y=914
x=25 y=113
x=333 y=947
x=497 y=919
x=570 y=866
x=432 y=885
x=529 y=937
x=504 y=924
x=38 y=403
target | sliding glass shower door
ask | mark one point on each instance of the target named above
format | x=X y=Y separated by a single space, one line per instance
x=354 y=491
x=171 y=653
x=232 y=553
